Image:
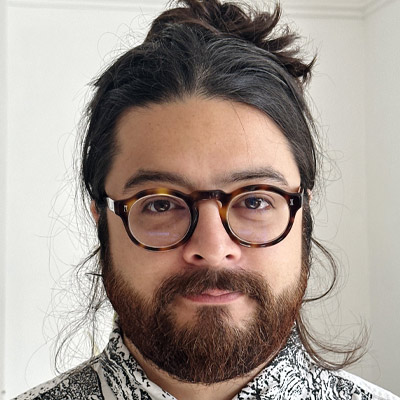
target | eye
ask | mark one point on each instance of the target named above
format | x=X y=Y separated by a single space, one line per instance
x=160 y=206
x=256 y=203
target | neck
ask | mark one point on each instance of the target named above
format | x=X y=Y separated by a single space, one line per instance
x=183 y=390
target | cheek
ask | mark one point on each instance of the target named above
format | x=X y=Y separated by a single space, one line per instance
x=141 y=269
x=280 y=264
x=121 y=247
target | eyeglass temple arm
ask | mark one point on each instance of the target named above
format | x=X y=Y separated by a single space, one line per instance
x=110 y=204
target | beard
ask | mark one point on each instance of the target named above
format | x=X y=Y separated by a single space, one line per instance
x=210 y=348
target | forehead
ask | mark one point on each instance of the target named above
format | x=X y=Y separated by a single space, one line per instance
x=205 y=141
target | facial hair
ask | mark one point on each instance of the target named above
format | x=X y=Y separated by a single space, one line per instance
x=211 y=348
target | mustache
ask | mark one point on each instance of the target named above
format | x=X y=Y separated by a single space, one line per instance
x=194 y=282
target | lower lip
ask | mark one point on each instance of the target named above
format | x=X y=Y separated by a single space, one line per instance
x=214 y=297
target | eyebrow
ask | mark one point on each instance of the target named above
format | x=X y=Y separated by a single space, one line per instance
x=145 y=176
x=268 y=173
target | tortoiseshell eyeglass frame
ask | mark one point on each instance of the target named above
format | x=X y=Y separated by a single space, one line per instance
x=122 y=208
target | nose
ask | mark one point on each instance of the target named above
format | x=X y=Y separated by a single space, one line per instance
x=210 y=244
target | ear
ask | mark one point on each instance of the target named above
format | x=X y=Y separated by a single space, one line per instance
x=94 y=211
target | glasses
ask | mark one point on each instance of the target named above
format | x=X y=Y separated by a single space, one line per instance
x=163 y=219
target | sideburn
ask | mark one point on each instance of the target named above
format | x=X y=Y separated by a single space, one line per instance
x=103 y=236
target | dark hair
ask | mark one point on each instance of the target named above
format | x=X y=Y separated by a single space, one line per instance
x=213 y=50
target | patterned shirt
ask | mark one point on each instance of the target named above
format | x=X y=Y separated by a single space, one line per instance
x=115 y=374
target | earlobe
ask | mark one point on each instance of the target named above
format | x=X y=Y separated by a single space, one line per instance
x=94 y=211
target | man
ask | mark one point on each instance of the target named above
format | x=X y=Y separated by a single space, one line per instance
x=199 y=162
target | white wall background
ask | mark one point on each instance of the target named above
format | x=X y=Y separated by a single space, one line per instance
x=3 y=115
x=382 y=90
x=54 y=48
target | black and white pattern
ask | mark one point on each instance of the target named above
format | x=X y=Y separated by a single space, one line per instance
x=115 y=374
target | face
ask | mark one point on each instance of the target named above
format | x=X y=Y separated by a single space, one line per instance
x=202 y=144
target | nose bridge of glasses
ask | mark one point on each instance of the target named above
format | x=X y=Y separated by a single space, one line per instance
x=220 y=197
x=217 y=195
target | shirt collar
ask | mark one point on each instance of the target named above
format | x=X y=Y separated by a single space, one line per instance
x=283 y=376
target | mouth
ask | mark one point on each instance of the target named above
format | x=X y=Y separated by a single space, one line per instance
x=214 y=296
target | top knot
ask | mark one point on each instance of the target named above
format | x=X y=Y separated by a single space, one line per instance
x=242 y=22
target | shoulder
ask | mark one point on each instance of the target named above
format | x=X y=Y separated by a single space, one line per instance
x=331 y=384
x=80 y=383
x=294 y=375
x=365 y=389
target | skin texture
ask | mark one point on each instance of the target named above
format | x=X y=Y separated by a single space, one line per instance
x=205 y=142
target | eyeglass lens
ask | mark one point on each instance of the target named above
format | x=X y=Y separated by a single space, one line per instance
x=258 y=217
x=159 y=220
x=163 y=220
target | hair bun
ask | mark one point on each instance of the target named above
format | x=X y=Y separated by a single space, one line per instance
x=240 y=21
